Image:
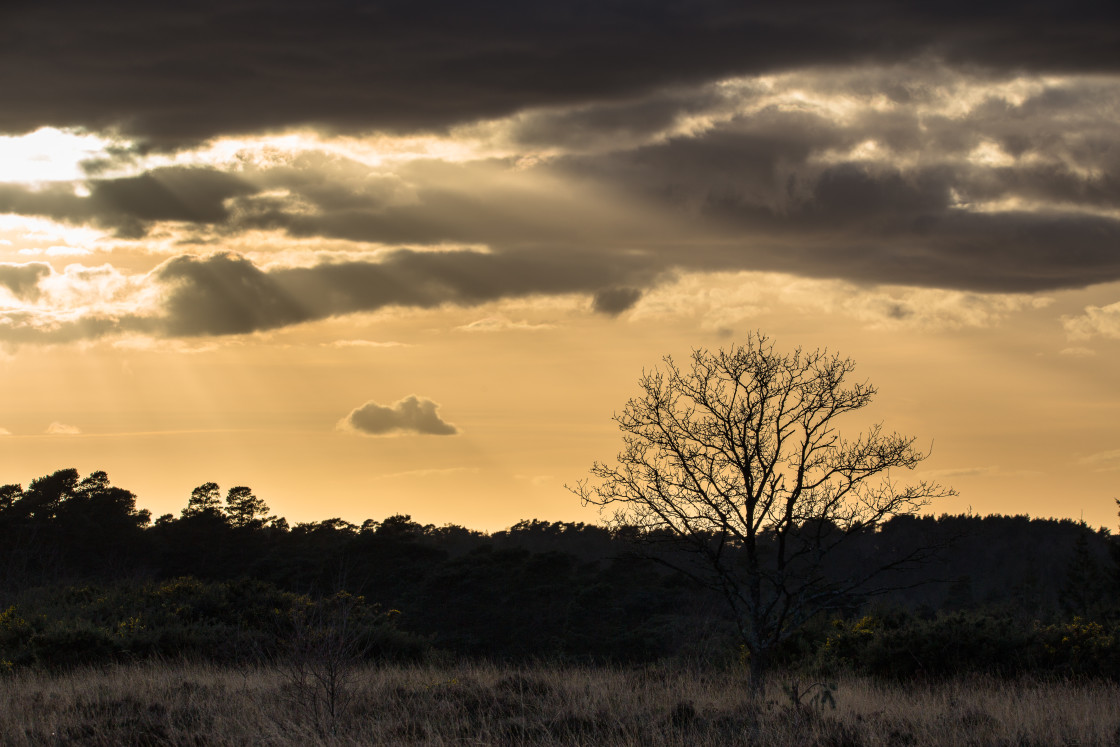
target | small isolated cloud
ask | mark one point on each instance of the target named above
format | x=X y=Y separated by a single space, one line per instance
x=5 y=432
x=62 y=429
x=410 y=415
x=501 y=324
x=614 y=301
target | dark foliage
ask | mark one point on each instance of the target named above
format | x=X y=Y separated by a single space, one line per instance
x=86 y=576
x=903 y=646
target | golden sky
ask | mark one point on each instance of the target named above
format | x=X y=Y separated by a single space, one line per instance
x=367 y=262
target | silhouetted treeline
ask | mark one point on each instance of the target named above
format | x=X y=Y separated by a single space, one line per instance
x=537 y=589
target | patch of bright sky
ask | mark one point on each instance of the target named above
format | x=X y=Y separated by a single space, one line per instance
x=79 y=291
x=376 y=150
x=51 y=155
x=24 y=238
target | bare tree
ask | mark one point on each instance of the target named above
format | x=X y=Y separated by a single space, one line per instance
x=739 y=459
x=327 y=643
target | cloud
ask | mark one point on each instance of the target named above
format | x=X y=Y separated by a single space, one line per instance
x=975 y=181
x=990 y=471
x=365 y=344
x=724 y=301
x=614 y=301
x=223 y=294
x=502 y=324
x=907 y=175
x=62 y=429
x=5 y=432
x=908 y=307
x=1097 y=321
x=55 y=201
x=23 y=279
x=196 y=195
x=192 y=296
x=393 y=67
x=1103 y=461
x=129 y=205
x=227 y=294
x=79 y=303
x=410 y=415
x=759 y=193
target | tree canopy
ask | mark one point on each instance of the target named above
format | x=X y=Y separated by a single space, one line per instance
x=739 y=457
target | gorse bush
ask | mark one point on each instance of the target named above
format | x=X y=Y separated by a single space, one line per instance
x=231 y=621
x=902 y=646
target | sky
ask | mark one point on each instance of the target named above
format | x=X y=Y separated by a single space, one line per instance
x=372 y=258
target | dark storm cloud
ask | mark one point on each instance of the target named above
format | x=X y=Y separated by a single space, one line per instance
x=1009 y=252
x=222 y=295
x=177 y=194
x=881 y=225
x=129 y=205
x=227 y=294
x=172 y=74
x=750 y=194
x=410 y=415
x=761 y=192
x=912 y=175
x=779 y=188
x=23 y=279
x=55 y=201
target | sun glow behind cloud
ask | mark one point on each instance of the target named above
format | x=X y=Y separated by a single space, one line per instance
x=809 y=201
x=50 y=154
x=304 y=199
x=846 y=97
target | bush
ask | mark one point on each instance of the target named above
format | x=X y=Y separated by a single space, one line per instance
x=901 y=647
x=230 y=621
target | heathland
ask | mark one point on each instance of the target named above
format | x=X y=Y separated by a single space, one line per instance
x=225 y=625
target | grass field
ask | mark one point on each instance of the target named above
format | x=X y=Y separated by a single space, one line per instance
x=189 y=704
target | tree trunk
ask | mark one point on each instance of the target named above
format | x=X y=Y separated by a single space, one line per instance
x=757 y=674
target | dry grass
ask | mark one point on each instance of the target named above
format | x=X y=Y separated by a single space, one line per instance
x=188 y=704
